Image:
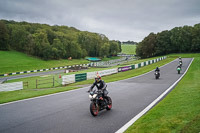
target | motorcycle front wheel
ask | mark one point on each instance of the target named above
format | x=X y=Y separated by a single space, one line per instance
x=94 y=109
x=109 y=106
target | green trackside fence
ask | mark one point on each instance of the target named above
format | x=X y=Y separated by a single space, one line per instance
x=133 y=66
x=144 y=63
x=80 y=77
x=139 y=65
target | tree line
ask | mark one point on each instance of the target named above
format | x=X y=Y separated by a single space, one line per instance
x=129 y=42
x=54 y=42
x=184 y=39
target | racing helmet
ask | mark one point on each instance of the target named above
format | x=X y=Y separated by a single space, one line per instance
x=97 y=78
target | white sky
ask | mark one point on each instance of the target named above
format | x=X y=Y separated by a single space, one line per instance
x=117 y=19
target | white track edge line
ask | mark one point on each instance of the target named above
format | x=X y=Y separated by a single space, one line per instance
x=128 y=124
x=73 y=90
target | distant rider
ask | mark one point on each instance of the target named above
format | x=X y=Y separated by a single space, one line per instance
x=180 y=60
x=100 y=84
x=179 y=66
x=157 y=69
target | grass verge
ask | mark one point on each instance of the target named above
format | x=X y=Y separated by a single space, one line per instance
x=179 y=111
x=128 y=49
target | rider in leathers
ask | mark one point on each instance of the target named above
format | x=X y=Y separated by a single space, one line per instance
x=100 y=84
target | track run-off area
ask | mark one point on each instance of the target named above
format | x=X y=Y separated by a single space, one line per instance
x=69 y=111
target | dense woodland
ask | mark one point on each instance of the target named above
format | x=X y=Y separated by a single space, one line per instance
x=54 y=42
x=184 y=39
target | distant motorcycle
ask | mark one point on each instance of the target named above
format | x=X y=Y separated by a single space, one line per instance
x=157 y=74
x=98 y=102
x=180 y=63
x=179 y=70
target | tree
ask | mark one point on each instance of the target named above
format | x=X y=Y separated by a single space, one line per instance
x=147 y=46
x=40 y=43
x=104 y=50
x=114 y=48
x=3 y=37
x=195 y=47
x=163 y=43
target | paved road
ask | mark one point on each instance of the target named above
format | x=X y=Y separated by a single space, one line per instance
x=31 y=75
x=68 y=112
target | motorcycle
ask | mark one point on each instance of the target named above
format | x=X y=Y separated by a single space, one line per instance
x=98 y=102
x=157 y=74
x=180 y=63
x=179 y=70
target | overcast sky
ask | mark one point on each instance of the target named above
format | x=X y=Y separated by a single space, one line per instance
x=117 y=19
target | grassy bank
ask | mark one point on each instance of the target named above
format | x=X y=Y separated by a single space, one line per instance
x=12 y=61
x=180 y=110
x=32 y=92
x=128 y=49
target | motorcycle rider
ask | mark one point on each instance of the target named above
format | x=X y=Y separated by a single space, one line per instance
x=100 y=84
x=157 y=69
x=179 y=66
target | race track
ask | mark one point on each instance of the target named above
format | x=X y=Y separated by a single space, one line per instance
x=68 y=112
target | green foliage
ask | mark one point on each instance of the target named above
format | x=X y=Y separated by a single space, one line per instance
x=55 y=42
x=3 y=37
x=178 y=40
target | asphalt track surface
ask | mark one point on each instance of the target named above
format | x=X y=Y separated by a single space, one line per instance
x=68 y=112
x=31 y=75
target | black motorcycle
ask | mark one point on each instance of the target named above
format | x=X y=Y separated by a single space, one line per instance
x=157 y=74
x=98 y=102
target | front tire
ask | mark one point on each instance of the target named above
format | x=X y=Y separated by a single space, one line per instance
x=109 y=106
x=94 y=109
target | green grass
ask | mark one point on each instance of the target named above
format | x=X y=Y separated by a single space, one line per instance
x=180 y=110
x=47 y=89
x=12 y=61
x=128 y=49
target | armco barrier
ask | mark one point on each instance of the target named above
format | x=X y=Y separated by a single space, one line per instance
x=11 y=86
x=108 y=72
x=68 y=79
x=80 y=77
x=91 y=75
x=126 y=68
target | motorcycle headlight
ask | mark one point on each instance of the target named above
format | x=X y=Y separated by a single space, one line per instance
x=95 y=95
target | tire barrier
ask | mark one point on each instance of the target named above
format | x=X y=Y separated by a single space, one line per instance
x=41 y=70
